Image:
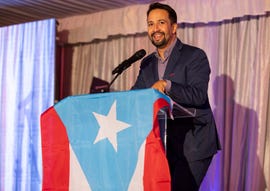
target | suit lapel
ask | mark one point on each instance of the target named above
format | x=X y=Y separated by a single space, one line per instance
x=169 y=72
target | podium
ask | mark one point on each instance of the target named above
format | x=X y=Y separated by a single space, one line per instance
x=176 y=111
x=106 y=141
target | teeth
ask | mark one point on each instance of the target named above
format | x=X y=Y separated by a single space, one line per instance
x=157 y=35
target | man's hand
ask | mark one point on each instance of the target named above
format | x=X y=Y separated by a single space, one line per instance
x=160 y=85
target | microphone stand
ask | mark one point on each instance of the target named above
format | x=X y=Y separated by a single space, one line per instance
x=124 y=65
x=120 y=72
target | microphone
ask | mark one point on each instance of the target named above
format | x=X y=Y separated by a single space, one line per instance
x=127 y=63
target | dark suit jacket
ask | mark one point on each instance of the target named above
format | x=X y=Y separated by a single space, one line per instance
x=188 y=70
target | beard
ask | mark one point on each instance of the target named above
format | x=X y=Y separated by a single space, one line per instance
x=161 y=43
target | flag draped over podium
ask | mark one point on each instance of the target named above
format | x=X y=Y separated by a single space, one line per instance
x=108 y=141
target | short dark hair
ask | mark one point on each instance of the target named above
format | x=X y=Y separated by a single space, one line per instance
x=171 y=11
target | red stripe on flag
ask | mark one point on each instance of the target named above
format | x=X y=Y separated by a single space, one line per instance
x=156 y=168
x=55 y=152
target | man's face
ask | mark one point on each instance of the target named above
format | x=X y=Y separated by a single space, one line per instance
x=160 y=30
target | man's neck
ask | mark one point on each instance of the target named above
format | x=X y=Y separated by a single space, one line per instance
x=162 y=50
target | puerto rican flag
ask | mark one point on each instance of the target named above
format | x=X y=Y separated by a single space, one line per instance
x=105 y=142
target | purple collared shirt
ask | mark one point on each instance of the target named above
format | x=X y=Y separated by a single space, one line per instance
x=162 y=63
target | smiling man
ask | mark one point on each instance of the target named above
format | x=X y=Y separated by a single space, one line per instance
x=182 y=72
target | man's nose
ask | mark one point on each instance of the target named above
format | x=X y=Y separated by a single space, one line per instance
x=156 y=27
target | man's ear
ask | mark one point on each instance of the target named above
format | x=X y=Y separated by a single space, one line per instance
x=174 y=25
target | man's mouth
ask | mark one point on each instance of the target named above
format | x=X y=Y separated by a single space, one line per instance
x=157 y=36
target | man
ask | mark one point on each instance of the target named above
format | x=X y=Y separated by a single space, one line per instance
x=182 y=72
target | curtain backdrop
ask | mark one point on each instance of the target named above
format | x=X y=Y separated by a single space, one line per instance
x=27 y=58
x=239 y=89
x=132 y=19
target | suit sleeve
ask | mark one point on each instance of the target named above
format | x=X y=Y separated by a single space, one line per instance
x=146 y=77
x=140 y=83
x=191 y=90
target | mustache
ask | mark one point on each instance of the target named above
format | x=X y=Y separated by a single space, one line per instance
x=157 y=33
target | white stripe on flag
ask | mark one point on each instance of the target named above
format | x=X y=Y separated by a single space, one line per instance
x=136 y=182
x=77 y=179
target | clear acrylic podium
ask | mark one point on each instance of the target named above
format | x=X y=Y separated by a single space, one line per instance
x=178 y=111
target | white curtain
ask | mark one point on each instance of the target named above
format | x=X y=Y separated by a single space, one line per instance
x=132 y=19
x=27 y=57
x=239 y=89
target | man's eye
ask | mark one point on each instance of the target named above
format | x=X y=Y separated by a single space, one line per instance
x=162 y=22
x=150 y=24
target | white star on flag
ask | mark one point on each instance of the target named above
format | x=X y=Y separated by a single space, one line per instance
x=109 y=126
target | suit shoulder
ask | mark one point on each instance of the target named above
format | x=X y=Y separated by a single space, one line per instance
x=193 y=49
x=147 y=60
